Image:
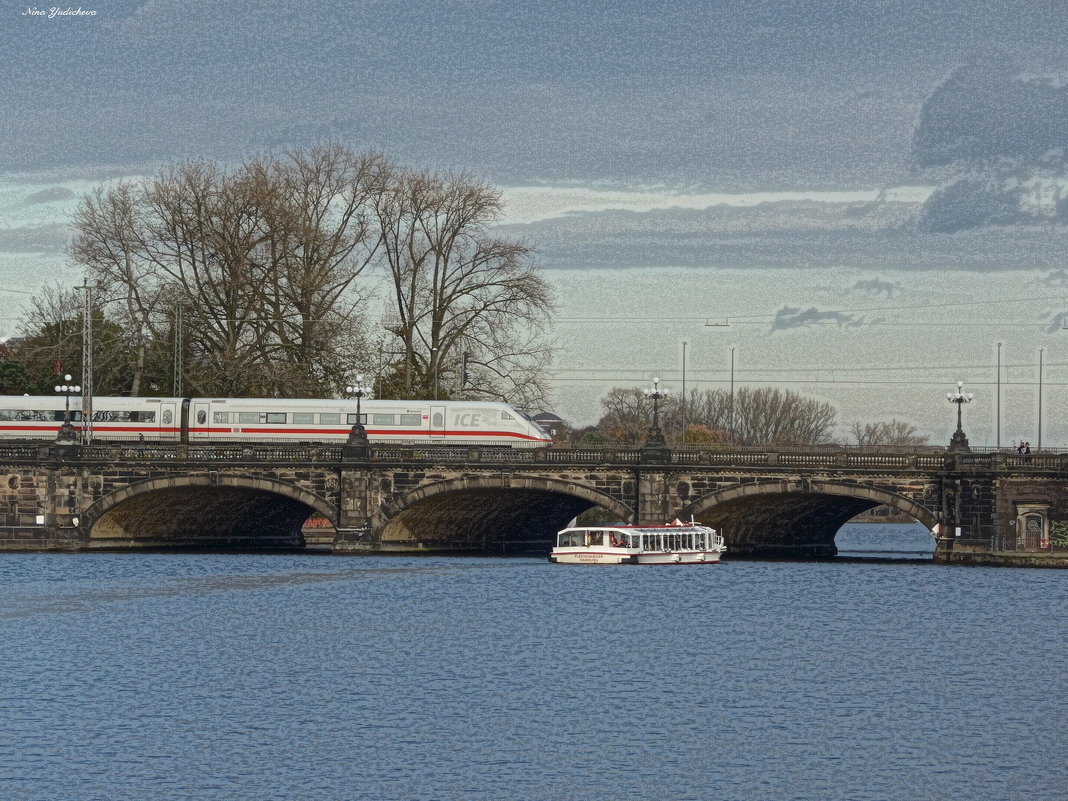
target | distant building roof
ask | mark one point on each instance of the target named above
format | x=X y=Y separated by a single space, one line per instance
x=546 y=417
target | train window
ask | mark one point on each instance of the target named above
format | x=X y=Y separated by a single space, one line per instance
x=506 y=416
x=28 y=414
x=438 y=420
x=248 y=417
x=168 y=418
x=383 y=419
x=220 y=417
x=411 y=420
x=276 y=417
x=330 y=419
x=304 y=418
x=351 y=418
x=202 y=417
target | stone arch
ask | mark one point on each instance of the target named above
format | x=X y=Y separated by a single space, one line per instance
x=794 y=517
x=203 y=509
x=495 y=513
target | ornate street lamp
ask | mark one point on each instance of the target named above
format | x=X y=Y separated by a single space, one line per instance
x=959 y=442
x=358 y=434
x=656 y=436
x=66 y=431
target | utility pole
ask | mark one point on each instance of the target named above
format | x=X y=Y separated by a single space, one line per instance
x=684 y=392
x=87 y=364
x=179 y=357
x=998 y=442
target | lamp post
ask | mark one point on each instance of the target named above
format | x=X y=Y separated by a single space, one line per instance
x=655 y=437
x=959 y=442
x=357 y=434
x=998 y=438
x=66 y=431
x=1040 y=398
x=730 y=423
x=684 y=393
x=434 y=359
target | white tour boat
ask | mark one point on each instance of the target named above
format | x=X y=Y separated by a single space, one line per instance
x=673 y=544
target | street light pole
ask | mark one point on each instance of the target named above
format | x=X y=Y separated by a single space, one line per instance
x=959 y=442
x=434 y=359
x=656 y=436
x=357 y=434
x=66 y=431
x=731 y=411
x=87 y=363
x=998 y=438
x=1039 y=399
x=684 y=392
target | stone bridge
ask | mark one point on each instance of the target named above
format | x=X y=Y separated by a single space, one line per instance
x=989 y=507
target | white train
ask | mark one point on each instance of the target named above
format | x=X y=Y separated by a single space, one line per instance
x=276 y=420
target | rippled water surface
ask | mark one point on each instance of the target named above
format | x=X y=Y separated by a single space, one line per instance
x=193 y=676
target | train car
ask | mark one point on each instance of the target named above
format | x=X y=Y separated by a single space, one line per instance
x=277 y=420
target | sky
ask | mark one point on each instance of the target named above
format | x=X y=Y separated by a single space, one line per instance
x=785 y=163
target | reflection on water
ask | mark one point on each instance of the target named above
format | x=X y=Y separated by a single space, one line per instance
x=212 y=676
x=885 y=540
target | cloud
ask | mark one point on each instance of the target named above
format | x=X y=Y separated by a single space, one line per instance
x=989 y=111
x=34 y=239
x=877 y=287
x=1057 y=322
x=52 y=195
x=788 y=317
x=1057 y=278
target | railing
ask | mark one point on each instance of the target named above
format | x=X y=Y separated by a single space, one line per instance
x=1010 y=545
x=791 y=458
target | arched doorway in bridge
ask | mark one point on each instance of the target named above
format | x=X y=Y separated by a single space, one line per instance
x=205 y=512
x=799 y=519
x=489 y=514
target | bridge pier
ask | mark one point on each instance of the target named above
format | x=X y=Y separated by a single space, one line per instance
x=355 y=528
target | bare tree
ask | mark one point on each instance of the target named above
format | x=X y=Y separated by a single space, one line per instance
x=892 y=433
x=262 y=260
x=781 y=417
x=457 y=290
x=50 y=343
x=755 y=416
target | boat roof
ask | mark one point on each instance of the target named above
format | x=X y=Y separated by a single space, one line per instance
x=646 y=528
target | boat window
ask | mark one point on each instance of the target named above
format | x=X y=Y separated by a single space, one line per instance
x=571 y=539
x=595 y=538
x=329 y=419
x=304 y=418
x=411 y=420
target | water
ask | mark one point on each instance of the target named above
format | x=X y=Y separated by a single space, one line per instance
x=885 y=541
x=202 y=676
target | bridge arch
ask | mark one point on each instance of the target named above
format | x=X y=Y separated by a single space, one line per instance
x=497 y=513
x=203 y=511
x=794 y=517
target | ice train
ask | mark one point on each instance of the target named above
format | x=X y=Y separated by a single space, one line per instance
x=276 y=420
